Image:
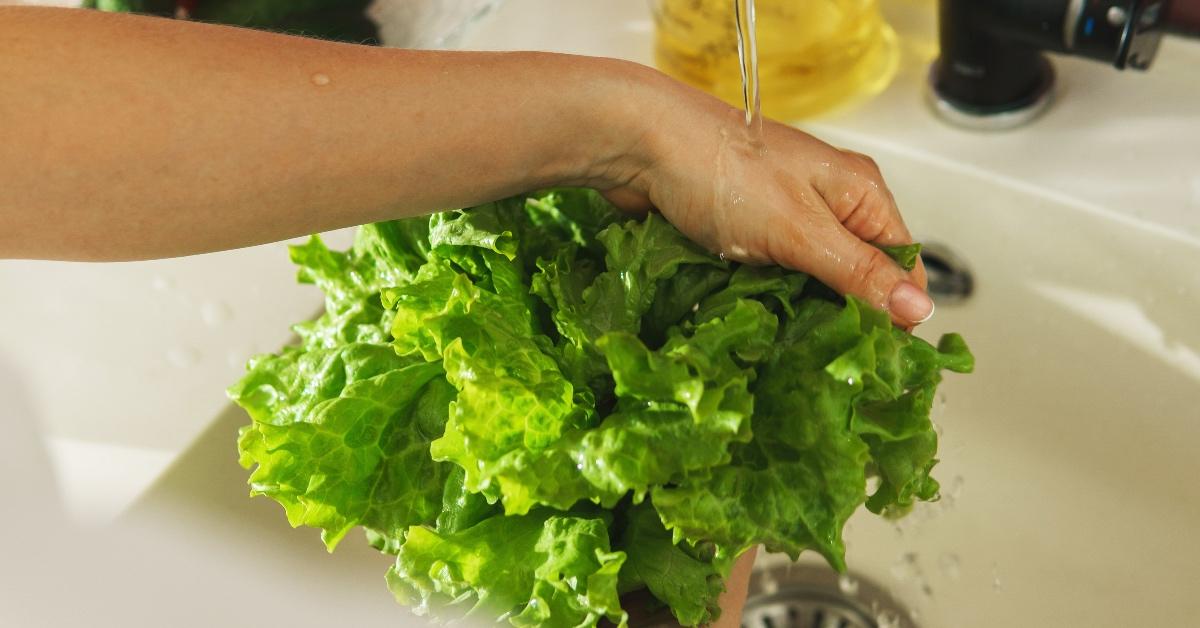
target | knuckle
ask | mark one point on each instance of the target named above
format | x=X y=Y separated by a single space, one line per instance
x=866 y=165
x=875 y=271
x=868 y=218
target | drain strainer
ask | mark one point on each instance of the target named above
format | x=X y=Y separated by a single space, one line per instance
x=809 y=596
x=950 y=280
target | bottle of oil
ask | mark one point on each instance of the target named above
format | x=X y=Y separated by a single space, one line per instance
x=812 y=54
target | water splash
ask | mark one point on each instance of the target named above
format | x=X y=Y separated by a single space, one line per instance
x=183 y=357
x=950 y=565
x=161 y=283
x=215 y=313
x=847 y=584
x=905 y=568
x=888 y=619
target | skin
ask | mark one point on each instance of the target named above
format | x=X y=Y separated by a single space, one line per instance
x=1183 y=16
x=128 y=138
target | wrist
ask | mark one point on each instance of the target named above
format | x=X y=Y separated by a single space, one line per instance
x=622 y=107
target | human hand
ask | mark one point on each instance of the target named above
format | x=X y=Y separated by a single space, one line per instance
x=790 y=199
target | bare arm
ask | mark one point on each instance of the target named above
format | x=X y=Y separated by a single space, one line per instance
x=1183 y=17
x=134 y=137
x=127 y=137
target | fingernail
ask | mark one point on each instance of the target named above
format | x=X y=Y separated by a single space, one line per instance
x=910 y=303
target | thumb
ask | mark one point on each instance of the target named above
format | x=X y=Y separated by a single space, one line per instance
x=853 y=267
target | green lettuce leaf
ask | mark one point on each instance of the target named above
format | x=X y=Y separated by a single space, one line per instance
x=689 y=584
x=540 y=569
x=683 y=405
x=538 y=405
x=844 y=392
x=352 y=450
x=906 y=255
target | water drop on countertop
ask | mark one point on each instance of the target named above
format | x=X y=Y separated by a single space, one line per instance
x=956 y=488
x=905 y=568
x=950 y=565
x=235 y=359
x=183 y=357
x=162 y=284
x=215 y=313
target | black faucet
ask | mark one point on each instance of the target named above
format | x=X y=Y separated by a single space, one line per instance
x=992 y=71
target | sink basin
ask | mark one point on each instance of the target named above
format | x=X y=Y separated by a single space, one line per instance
x=1068 y=458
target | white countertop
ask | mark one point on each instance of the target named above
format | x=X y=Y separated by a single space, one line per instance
x=123 y=365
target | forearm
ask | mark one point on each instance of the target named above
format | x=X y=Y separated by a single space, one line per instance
x=130 y=137
x=1183 y=17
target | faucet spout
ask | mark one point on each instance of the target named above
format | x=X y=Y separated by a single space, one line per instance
x=992 y=71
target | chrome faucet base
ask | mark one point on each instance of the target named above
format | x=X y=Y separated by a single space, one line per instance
x=990 y=119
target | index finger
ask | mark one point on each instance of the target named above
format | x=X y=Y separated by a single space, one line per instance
x=853 y=188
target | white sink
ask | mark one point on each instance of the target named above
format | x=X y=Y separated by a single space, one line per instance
x=1069 y=457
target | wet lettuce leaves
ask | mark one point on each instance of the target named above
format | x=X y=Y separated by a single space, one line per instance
x=538 y=405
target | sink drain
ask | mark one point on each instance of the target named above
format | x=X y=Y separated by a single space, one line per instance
x=950 y=280
x=809 y=596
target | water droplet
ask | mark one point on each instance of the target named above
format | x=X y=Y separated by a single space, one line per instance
x=888 y=619
x=235 y=359
x=215 y=313
x=696 y=307
x=949 y=494
x=850 y=381
x=183 y=357
x=997 y=586
x=905 y=568
x=769 y=584
x=950 y=565
x=320 y=80
x=847 y=584
x=162 y=284
x=721 y=255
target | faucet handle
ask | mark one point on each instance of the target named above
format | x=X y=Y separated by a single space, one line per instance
x=1126 y=34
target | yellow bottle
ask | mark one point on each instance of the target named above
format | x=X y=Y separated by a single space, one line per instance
x=812 y=54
